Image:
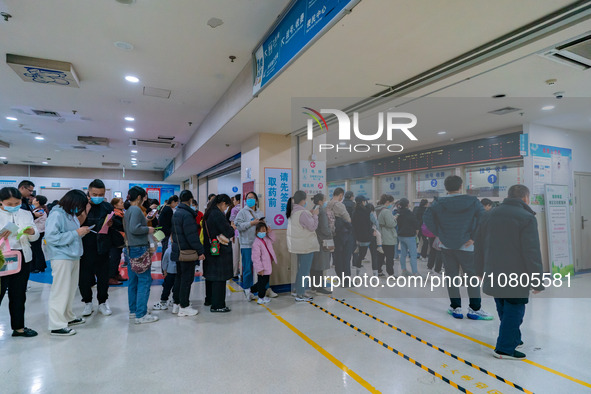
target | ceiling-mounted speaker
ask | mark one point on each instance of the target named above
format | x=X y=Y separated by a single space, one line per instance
x=43 y=71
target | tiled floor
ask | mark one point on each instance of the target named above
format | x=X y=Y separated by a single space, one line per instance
x=298 y=348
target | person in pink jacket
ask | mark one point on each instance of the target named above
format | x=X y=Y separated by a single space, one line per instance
x=263 y=257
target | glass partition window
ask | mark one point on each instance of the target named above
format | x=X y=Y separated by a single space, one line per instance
x=429 y=184
x=362 y=187
x=333 y=185
x=394 y=185
x=494 y=179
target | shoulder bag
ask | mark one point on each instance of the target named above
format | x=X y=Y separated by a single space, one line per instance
x=214 y=249
x=185 y=255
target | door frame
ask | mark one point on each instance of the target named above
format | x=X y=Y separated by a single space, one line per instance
x=576 y=224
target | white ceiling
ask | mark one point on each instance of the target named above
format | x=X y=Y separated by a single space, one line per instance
x=175 y=49
x=382 y=42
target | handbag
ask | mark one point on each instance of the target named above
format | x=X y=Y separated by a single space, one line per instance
x=187 y=254
x=214 y=249
x=10 y=260
x=141 y=264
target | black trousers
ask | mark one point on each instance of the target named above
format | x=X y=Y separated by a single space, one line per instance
x=377 y=258
x=114 y=261
x=17 y=294
x=185 y=275
x=38 y=263
x=389 y=252
x=93 y=264
x=453 y=260
x=435 y=259
x=425 y=245
x=262 y=282
x=358 y=258
x=344 y=247
x=167 y=286
x=215 y=293
x=164 y=243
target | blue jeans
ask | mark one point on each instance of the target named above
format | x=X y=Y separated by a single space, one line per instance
x=408 y=245
x=511 y=316
x=138 y=291
x=304 y=266
x=246 y=258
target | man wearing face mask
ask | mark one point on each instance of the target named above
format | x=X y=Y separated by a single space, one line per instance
x=95 y=260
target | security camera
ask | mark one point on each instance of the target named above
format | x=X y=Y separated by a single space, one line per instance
x=559 y=95
x=4 y=161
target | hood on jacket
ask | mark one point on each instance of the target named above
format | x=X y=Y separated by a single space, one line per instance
x=457 y=204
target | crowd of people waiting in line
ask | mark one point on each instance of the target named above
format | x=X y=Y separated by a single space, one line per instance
x=232 y=242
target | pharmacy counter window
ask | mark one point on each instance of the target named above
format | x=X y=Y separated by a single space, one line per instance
x=394 y=185
x=430 y=184
x=494 y=179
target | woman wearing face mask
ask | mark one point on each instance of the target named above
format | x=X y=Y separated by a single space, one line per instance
x=137 y=235
x=11 y=213
x=218 y=267
x=40 y=213
x=301 y=239
x=64 y=248
x=388 y=224
x=246 y=222
x=321 y=260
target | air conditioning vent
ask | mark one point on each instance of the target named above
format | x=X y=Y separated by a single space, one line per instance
x=79 y=147
x=157 y=92
x=48 y=114
x=96 y=141
x=576 y=54
x=107 y=164
x=164 y=137
x=27 y=161
x=504 y=111
x=153 y=143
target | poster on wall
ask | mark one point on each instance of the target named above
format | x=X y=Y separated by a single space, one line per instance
x=7 y=183
x=312 y=177
x=277 y=193
x=332 y=186
x=393 y=185
x=362 y=187
x=557 y=199
x=158 y=191
x=551 y=165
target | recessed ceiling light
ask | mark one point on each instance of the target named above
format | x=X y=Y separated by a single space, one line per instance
x=44 y=162
x=11 y=118
x=125 y=46
x=130 y=129
x=134 y=151
x=129 y=118
x=132 y=79
x=39 y=138
x=2 y=158
x=441 y=132
x=547 y=108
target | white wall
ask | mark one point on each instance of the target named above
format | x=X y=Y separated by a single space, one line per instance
x=227 y=183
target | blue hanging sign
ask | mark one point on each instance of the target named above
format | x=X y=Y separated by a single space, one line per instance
x=303 y=23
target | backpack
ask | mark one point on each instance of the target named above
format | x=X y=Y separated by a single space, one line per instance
x=331 y=220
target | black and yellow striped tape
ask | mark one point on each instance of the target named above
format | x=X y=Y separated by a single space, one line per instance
x=404 y=356
x=468 y=363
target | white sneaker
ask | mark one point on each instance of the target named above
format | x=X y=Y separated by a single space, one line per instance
x=248 y=295
x=188 y=311
x=478 y=315
x=175 y=308
x=146 y=319
x=261 y=301
x=457 y=313
x=170 y=304
x=104 y=309
x=303 y=298
x=160 y=306
x=266 y=300
x=270 y=293
x=293 y=294
x=131 y=316
x=88 y=309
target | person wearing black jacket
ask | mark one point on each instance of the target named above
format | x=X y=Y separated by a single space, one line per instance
x=27 y=189
x=419 y=212
x=185 y=236
x=408 y=227
x=95 y=260
x=217 y=268
x=507 y=243
x=165 y=219
x=362 y=230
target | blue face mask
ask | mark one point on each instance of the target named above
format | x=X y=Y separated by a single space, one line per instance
x=12 y=209
x=261 y=235
x=251 y=202
x=325 y=204
x=75 y=211
x=32 y=206
x=97 y=200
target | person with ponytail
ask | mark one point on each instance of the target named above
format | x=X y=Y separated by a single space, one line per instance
x=301 y=239
x=218 y=266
